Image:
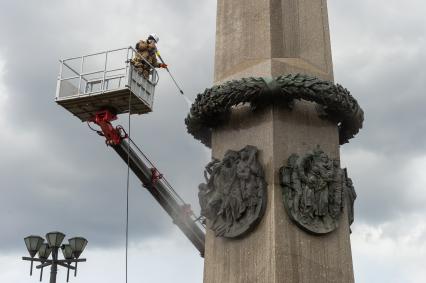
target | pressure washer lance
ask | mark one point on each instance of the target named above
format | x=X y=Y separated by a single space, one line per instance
x=180 y=90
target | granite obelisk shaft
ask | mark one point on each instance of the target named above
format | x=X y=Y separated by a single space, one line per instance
x=264 y=38
x=272 y=37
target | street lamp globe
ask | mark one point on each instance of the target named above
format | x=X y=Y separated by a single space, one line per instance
x=44 y=251
x=54 y=239
x=50 y=248
x=33 y=244
x=67 y=251
x=77 y=245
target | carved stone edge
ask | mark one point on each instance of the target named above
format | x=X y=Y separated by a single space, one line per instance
x=212 y=107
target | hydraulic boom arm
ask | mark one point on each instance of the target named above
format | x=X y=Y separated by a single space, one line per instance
x=177 y=210
x=152 y=180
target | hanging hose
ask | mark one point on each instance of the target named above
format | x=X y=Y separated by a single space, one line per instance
x=187 y=100
x=162 y=61
x=97 y=131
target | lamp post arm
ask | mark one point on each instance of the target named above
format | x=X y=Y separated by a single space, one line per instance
x=51 y=249
x=71 y=260
x=32 y=259
x=66 y=265
x=49 y=262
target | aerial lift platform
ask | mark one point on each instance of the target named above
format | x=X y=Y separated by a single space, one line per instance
x=94 y=82
x=96 y=88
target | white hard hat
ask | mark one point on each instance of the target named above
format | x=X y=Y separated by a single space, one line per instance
x=154 y=36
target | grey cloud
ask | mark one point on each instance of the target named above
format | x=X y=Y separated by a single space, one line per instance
x=386 y=76
x=379 y=57
x=71 y=181
x=389 y=84
x=383 y=187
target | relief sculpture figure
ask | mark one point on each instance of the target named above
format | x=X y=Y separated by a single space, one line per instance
x=314 y=189
x=234 y=196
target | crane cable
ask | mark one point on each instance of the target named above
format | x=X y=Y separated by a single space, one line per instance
x=128 y=186
x=189 y=102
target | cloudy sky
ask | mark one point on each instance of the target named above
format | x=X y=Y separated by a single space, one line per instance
x=58 y=175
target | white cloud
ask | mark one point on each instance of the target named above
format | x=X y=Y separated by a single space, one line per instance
x=416 y=177
x=379 y=258
x=392 y=249
x=3 y=89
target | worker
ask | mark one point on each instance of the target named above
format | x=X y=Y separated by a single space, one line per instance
x=147 y=53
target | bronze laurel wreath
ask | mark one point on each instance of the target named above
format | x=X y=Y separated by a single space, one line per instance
x=211 y=108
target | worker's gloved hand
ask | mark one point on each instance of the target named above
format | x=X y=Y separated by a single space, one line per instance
x=163 y=66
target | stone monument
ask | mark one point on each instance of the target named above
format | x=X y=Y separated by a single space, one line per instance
x=278 y=213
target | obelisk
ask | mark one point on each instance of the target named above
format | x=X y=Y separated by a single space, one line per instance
x=268 y=38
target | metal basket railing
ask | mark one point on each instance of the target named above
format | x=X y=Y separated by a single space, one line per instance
x=98 y=73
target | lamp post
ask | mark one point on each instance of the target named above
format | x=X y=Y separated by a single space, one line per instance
x=70 y=251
